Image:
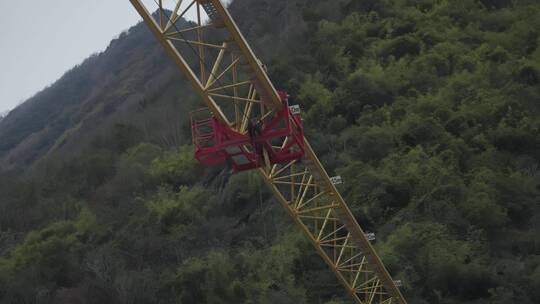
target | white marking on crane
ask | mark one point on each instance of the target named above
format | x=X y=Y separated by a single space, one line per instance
x=336 y=180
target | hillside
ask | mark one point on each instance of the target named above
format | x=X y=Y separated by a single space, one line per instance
x=107 y=91
x=429 y=110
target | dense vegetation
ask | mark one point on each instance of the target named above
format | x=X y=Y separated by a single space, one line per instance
x=430 y=110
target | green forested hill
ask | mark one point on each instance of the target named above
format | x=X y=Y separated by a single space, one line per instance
x=108 y=91
x=429 y=110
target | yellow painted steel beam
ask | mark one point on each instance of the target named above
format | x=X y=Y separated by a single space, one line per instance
x=331 y=218
x=178 y=59
x=265 y=85
x=303 y=187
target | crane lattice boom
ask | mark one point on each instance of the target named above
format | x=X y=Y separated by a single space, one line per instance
x=217 y=60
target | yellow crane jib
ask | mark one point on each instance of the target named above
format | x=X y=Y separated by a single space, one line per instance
x=215 y=57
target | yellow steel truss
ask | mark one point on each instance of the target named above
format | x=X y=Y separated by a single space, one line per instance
x=211 y=51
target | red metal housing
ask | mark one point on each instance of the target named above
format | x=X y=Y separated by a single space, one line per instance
x=216 y=142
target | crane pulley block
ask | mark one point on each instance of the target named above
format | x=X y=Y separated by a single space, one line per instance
x=252 y=145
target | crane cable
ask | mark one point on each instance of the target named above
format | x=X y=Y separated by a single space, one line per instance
x=261 y=208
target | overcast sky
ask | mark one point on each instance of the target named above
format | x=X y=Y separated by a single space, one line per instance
x=40 y=40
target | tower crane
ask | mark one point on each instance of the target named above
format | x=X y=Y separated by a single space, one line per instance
x=250 y=125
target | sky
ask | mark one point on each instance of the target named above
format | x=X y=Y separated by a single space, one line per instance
x=40 y=40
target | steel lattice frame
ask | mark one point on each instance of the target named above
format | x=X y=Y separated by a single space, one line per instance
x=232 y=82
